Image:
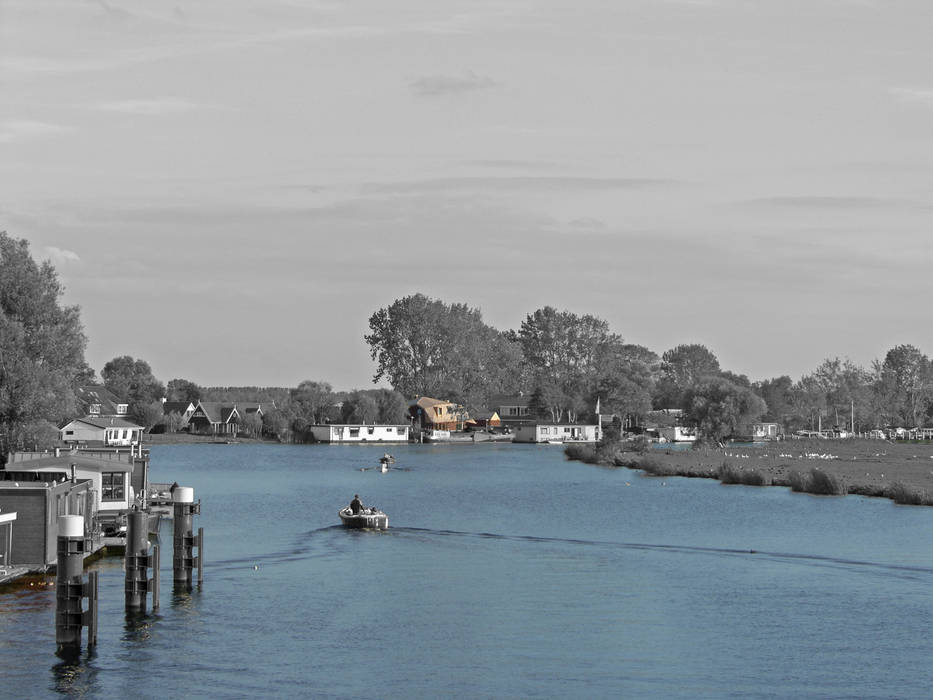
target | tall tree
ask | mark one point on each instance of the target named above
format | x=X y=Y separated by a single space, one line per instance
x=425 y=347
x=563 y=352
x=359 y=407
x=311 y=403
x=904 y=384
x=132 y=379
x=720 y=408
x=682 y=367
x=182 y=390
x=41 y=349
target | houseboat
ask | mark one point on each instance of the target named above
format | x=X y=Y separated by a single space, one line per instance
x=356 y=433
x=554 y=433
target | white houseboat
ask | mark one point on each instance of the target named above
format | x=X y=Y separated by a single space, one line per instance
x=354 y=433
x=556 y=433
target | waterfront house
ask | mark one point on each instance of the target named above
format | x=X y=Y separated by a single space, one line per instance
x=678 y=433
x=484 y=419
x=355 y=433
x=38 y=500
x=219 y=418
x=101 y=431
x=98 y=400
x=512 y=408
x=437 y=414
x=556 y=433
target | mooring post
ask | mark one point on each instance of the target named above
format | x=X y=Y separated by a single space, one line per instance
x=200 y=556
x=70 y=588
x=154 y=587
x=183 y=537
x=137 y=559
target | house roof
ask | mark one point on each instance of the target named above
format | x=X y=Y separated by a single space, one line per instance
x=176 y=407
x=104 y=422
x=427 y=401
x=98 y=394
x=217 y=411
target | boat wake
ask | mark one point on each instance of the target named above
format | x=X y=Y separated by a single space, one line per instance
x=901 y=570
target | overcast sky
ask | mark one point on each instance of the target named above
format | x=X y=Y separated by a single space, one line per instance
x=230 y=188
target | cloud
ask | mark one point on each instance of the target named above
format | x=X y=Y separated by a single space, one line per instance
x=148 y=107
x=915 y=96
x=440 y=85
x=829 y=202
x=497 y=185
x=60 y=256
x=24 y=130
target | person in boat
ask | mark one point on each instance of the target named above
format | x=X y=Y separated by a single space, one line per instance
x=356 y=505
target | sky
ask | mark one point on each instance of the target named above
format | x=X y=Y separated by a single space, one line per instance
x=229 y=189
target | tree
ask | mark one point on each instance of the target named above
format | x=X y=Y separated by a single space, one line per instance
x=359 y=407
x=682 y=367
x=425 y=347
x=720 y=408
x=147 y=414
x=183 y=390
x=252 y=424
x=625 y=380
x=41 y=349
x=311 y=403
x=904 y=385
x=778 y=397
x=393 y=409
x=132 y=380
x=562 y=352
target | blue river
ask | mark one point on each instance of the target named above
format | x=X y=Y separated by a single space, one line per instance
x=507 y=572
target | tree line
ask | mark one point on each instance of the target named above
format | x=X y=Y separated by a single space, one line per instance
x=566 y=362
x=563 y=361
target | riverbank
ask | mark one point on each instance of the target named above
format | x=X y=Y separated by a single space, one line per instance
x=902 y=472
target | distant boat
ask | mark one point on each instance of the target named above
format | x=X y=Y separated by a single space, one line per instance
x=366 y=519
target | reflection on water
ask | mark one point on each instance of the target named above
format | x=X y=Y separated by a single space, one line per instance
x=75 y=675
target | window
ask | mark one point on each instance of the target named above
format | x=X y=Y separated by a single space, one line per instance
x=124 y=435
x=112 y=486
x=94 y=408
x=69 y=432
x=371 y=430
x=354 y=432
x=121 y=408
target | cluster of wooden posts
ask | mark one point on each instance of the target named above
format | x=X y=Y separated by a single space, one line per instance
x=71 y=589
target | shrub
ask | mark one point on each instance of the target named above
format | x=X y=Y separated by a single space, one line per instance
x=583 y=453
x=731 y=474
x=656 y=467
x=906 y=495
x=817 y=482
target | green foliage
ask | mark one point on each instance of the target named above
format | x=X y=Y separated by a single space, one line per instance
x=906 y=495
x=147 y=414
x=183 y=390
x=311 y=403
x=720 y=408
x=904 y=386
x=132 y=380
x=682 y=368
x=425 y=347
x=732 y=474
x=41 y=349
x=817 y=482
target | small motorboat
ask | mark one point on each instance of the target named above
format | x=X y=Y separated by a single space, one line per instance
x=367 y=518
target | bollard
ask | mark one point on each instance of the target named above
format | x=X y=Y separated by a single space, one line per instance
x=137 y=559
x=70 y=588
x=183 y=537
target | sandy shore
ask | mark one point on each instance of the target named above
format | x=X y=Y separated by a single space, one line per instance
x=866 y=467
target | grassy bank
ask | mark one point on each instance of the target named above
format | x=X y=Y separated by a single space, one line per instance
x=902 y=472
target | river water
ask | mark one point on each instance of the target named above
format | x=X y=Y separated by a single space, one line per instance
x=507 y=572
